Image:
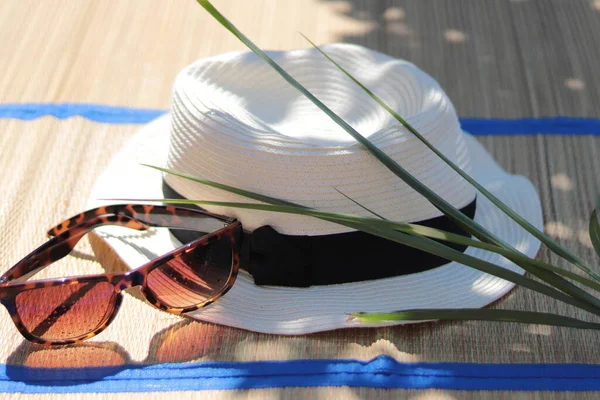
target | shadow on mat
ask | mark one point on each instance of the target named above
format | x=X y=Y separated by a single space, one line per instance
x=92 y=361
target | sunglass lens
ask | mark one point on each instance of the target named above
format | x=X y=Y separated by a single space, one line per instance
x=194 y=277
x=66 y=311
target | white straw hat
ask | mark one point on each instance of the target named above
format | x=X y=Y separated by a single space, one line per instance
x=236 y=122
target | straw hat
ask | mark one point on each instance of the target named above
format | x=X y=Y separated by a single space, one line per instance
x=235 y=121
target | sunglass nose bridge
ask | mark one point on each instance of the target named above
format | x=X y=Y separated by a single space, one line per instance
x=131 y=279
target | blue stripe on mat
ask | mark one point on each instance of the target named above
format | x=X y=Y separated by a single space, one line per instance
x=381 y=372
x=127 y=115
x=95 y=112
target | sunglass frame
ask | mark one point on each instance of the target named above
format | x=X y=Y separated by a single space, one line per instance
x=121 y=281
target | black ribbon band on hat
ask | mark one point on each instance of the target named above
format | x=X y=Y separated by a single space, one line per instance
x=276 y=259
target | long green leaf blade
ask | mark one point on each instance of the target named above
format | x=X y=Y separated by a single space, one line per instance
x=480 y=314
x=552 y=245
x=401 y=226
x=358 y=204
x=433 y=233
x=595 y=231
x=411 y=229
x=458 y=217
x=420 y=243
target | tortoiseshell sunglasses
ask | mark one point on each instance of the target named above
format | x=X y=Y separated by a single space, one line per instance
x=64 y=311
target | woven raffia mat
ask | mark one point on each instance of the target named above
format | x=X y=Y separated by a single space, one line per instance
x=495 y=59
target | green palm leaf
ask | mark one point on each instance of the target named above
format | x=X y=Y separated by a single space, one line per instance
x=344 y=219
x=360 y=205
x=401 y=226
x=374 y=227
x=595 y=227
x=418 y=242
x=552 y=245
x=480 y=314
x=433 y=233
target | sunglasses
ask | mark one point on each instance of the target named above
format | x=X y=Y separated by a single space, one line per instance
x=64 y=311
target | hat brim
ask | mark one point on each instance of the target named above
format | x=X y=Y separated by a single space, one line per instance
x=293 y=311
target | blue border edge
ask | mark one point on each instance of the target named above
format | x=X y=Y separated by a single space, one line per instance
x=128 y=115
x=380 y=372
x=94 y=112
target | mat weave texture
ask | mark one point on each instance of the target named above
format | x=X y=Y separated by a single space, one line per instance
x=500 y=59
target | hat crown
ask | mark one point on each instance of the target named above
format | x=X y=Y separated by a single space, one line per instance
x=237 y=122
